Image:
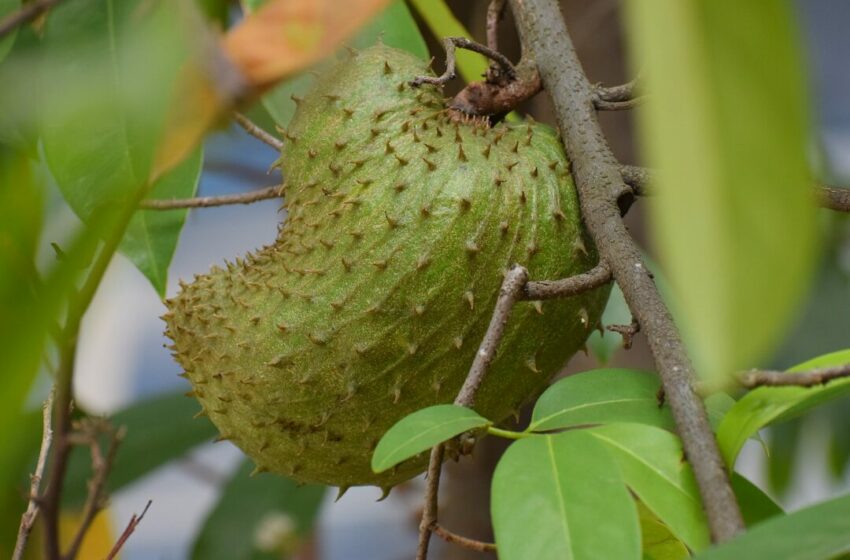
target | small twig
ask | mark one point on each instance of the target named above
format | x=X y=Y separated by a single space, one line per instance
x=628 y=332
x=640 y=179
x=101 y=466
x=257 y=132
x=210 y=201
x=495 y=11
x=574 y=285
x=25 y=15
x=509 y=294
x=622 y=92
x=811 y=378
x=31 y=514
x=604 y=105
x=450 y=44
x=131 y=526
x=429 y=512
x=465 y=542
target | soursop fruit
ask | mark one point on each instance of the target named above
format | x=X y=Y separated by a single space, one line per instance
x=372 y=301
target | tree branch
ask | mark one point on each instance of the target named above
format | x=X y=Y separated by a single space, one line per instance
x=604 y=105
x=622 y=92
x=31 y=513
x=640 y=179
x=509 y=293
x=599 y=183
x=495 y=11
x=450 y=44
x=465 y=542
x=811 y=378
x=574 y=285
x=25 y=15
x=257 y=132
x=210 y=201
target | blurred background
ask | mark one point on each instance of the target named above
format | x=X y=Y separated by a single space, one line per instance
x=808 y=459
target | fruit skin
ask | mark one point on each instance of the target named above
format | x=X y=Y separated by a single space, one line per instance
x=373 y=300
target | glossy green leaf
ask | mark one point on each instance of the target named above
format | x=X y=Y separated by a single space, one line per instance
x=6 y=8
x=394 y=26
x=152 y=236
x=562 y=497
x=734 y=215
x=112 y=68
x=159 y=430
x=653 y=466
x=259 y=518
x=601 y=396
x=657 y=541
x=819 y=532
x=756 y=506
x=604 y=344
x=443 y=23
x=423 y=430
x=766 y=405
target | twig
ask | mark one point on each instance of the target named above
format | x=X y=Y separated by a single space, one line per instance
x=465 y=542
x=605 y=105
x=628 y=332
x=257 y=132
x=25 y=15
x=429 y=512
x=640 y=179
x=210 y=201
x=495 y=11
x=509 y=293
x=31 y=514
x=131 y=526
x=101 y=467
x=450 y=43
x=574 y=285
x=622 y=92
x=811 y=378
x=599 y=183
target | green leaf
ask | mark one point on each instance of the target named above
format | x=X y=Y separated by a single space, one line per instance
x=766 y=405
x=756 y=506
x=152 y=236
x=784 y=444
x=6 y=8
x=716 y=406
x=562 y=497
x=395 y=26
x=734 y=215
x=653 y=466
x=601 y=396
x=604 y=344
x=111 y=71
x=423 y=430
x=442 y=23
x=657 y=542
x=262 y=518
x=158 y=430
x=815 y=533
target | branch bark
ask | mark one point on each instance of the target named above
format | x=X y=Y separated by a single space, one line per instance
x=257 y=132
x=599 y=183
x=210 y=201
x=811 y=378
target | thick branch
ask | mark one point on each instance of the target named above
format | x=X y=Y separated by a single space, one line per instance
x=31 y=514
x=811 y=378
x=574 y=285
x=209 y=201
x=257 y=132
x=495 y=11
x=25 y=15
x=598 y=179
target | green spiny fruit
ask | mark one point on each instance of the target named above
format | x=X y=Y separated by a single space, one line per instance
x=373 y=300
